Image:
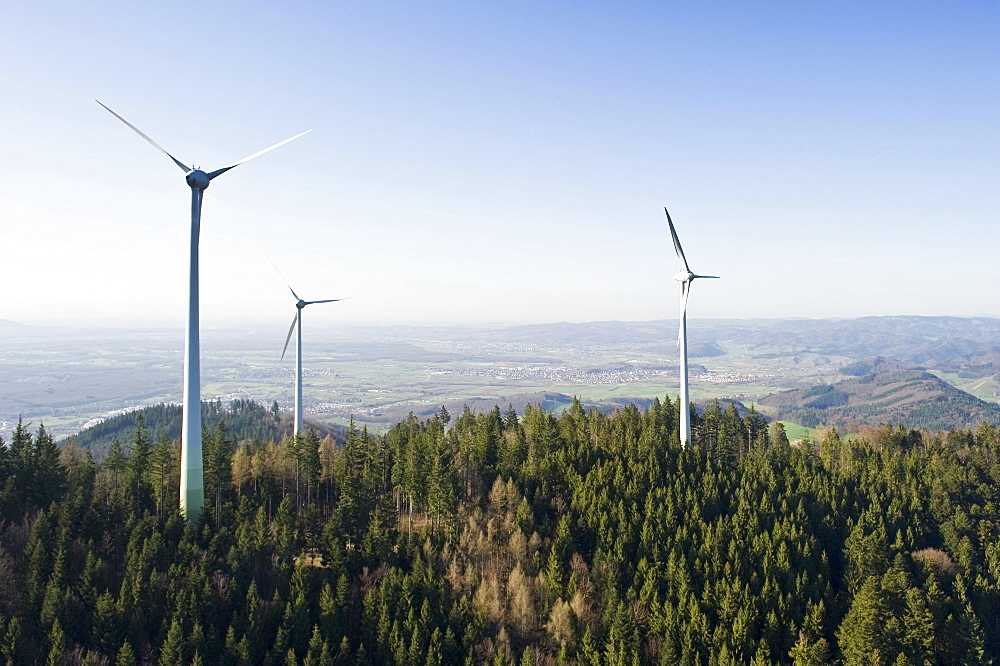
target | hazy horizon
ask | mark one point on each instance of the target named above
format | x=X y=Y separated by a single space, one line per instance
x=328 y=325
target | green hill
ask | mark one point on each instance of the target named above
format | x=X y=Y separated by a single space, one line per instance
x=886 y=395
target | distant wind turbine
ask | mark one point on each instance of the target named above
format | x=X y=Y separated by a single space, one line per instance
x=685 y=277
x=192 y=486
x=297 y=321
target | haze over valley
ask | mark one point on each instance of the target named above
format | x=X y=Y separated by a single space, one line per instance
x=68 y=378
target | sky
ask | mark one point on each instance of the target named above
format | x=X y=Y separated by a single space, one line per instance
x=499 y=162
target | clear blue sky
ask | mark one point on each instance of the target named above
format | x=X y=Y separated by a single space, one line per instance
x=500 y=162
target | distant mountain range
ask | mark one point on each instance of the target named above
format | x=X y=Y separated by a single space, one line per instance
x=882 y=390
x=984 y=363
x=912 y=339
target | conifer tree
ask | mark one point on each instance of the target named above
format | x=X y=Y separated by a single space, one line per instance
x=162 y=465
x=49 y=477
x=10 y=641
x=57 y=645
x=126 y=655
x=38 y=554
x=137 y=465
x=862 y=635
x=171 y=652
x=20 y=469
x=218 y=455
x=309 y=462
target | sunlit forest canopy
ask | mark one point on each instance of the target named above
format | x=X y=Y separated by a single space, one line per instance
x=501 y=538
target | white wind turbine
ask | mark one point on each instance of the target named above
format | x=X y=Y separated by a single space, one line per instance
x=685 y=277
x=192 y=486
x=297 y=321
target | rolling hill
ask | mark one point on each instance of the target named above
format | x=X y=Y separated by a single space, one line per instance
x=882 y=391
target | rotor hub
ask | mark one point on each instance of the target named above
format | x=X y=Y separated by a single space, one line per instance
x=197 y=179
x=684 y=276
x=301 y=304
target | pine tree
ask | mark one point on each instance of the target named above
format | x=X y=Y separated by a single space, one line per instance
x=862 y=635
x=10 y=641
x=126 y=655
x=162 y=464
x=49 y=476
x=137 y=465
x=218 y=456
x=315 y=649
x=20 y=471
x=728 y=442
x=866 y=550
x=21 y=448
x=344 y=652
x=284 y=530
x=805 y=653
x=309 y=461
x=442 y=484
x=171 y=652
x=115 y=464
x=39 y=559
x=57 y=645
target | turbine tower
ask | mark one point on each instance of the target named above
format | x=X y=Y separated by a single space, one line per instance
x=192 y=486
x=685 y=277
x=297 y=321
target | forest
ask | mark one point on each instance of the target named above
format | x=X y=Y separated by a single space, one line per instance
x=245 y=420
x=508 y=539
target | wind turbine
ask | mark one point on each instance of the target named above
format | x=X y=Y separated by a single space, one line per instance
x=685 y=277
x=192 y=486
x=297 y=321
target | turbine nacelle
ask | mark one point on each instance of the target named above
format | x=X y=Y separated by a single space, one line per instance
x=197 y=179
x=686 y=277
x=300 y=305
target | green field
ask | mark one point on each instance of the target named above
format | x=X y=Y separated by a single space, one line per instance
x=796 y=432
x=984 y=388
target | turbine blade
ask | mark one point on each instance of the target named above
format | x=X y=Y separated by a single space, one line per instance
x=281 y=275
x=677 y=242
x=716 y=277
x=155 y=145
x=290 y=330
x=329 y=300
x=219 y=172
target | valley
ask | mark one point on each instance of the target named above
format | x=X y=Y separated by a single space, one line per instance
x=68 y=378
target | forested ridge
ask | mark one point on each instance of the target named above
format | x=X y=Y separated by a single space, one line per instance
x=504 y=539
x=245 y=419
x=886 y=395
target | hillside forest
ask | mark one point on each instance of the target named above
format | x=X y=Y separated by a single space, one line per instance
x=507 y=539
